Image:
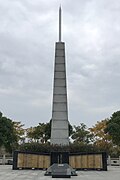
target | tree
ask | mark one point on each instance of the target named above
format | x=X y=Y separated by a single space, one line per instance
x=113 y=127
x=40 y=133
x=10 y=133
x=48 y=131
x=19 y=131
x=101 y=139
x=81 y=134
x=8 y=138
x=30 y=133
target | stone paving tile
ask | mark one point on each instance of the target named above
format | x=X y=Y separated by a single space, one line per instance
x=6 y=173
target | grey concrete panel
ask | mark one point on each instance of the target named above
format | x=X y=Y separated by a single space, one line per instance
x=59 y=98
x=60 y=75
x=60 y=115
x=60 y=133
x=59 y=107
x=59 y=90
x=60 y=53
x=63 y=141
x=60 y=45
x=59 y=124
x=60 y=82
x=60 y=67
x=60 y=60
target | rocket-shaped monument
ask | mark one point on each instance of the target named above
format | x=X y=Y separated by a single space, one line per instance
x=59 y=126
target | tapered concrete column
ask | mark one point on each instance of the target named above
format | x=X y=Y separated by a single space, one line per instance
x=59 y=130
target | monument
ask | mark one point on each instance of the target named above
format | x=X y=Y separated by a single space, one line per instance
x=59 y=163
x=59 y=127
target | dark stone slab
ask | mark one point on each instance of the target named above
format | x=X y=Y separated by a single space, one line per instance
x=60 y=171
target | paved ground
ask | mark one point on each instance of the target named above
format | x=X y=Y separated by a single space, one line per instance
x=6 y=173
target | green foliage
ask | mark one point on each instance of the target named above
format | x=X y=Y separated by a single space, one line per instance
x=101 y=139
x=8 y=138
x=40 y=133
x=9 y=134
x=80 y=147
x=47 y=148
x=70 y=129
x=113 y=128
x=81 y=134
x=19 y=131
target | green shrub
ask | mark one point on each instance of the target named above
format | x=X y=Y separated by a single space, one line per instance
x=47 y=148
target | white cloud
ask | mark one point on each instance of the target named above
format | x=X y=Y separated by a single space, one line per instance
x=28 y=31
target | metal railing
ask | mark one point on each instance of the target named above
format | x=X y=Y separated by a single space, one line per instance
x=4 y=159
x=113 y=161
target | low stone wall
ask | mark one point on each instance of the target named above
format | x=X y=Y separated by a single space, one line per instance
x=30 y=160
x=79 y=161
x=87 y=161
x=37 y=161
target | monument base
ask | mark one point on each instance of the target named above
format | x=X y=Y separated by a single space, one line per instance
x=60 y=171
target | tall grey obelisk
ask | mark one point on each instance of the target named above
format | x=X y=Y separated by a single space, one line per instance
x=59 y=127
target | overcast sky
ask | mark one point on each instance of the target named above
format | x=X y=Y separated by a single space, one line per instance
x=28 y=32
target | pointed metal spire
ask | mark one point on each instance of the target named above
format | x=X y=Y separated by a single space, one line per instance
x=60 y=23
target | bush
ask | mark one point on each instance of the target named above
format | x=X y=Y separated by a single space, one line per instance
x=47 y=148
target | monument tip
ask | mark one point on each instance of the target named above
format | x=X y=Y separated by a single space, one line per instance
x=60 y=10
x=60 y=7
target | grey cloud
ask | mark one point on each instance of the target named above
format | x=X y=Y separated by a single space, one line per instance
x=28 y=31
